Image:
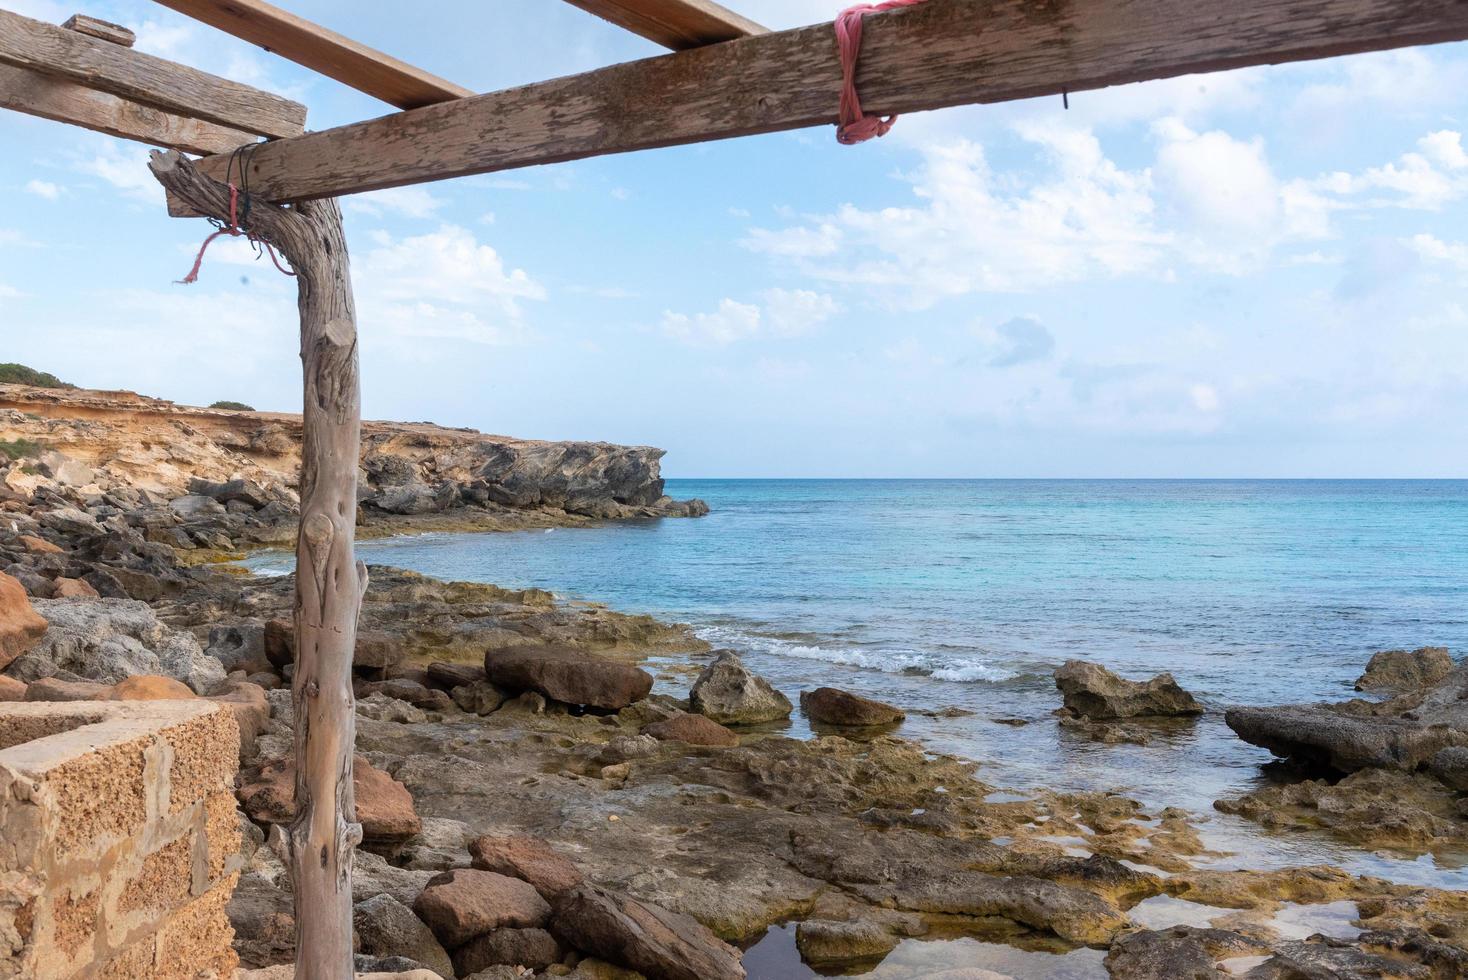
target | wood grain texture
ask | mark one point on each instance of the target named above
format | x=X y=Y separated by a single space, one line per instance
x=68 y=102
x=676 y=24
x=142 y=78
x=364 y=69
x=330 y=581
x=102 y=30
x=941 y=53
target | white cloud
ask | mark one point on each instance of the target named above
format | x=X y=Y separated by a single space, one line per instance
x=1428 y=178
x=1432 y=247
x=410 y=202
x=730 y=322
x=783 y=313
x=1021 y=340
x=43 y=188
x=125 y=167
x=9 y=292
x=1205 y=398
x=795 y=311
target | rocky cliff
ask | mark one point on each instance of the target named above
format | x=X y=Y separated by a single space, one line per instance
x=248 y=461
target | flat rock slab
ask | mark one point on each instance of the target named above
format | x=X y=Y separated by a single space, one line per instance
x=567 y=675
x=833 y=706
x=530 y=859
x=1092 y=691
x=466 y=903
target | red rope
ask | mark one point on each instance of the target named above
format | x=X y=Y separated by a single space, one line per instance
x=234 y=231
x=856 y=126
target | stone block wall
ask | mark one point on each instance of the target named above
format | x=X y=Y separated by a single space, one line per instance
x=119 y=842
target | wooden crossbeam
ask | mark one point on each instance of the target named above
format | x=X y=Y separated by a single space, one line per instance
x=941 y=53
x=144 y=79
x=676 y=24
x=364 y=69
x=56 y=98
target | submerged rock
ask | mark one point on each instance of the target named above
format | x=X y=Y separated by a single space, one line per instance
x=824 y=944
x=1405 y=670
x=730 y=694
x=832 y=706
x=567 y=675
x=1092 y=691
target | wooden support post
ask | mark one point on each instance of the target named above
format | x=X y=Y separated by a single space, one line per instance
x=330 y=581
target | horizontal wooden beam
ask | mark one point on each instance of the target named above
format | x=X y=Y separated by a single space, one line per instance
x=941 y=53
x=676 y=24
x=312 y=46
x=63 y=101
x=102 y=30
x=142 y=78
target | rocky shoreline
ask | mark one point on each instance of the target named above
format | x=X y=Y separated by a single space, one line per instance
x=536 y=802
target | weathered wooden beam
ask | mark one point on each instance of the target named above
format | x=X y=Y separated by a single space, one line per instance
x=68 y=102
x=142 y=78
x=676 y=24
x=102 y=30
x=941 y=53
x=330 y=581
x=364 y=69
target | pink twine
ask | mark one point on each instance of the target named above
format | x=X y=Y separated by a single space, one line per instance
x=234 y=231
x=855 y=126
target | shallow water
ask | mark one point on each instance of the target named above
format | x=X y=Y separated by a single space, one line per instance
x=967 y=594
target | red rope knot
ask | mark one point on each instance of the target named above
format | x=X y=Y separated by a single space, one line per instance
x=233 y=230
x=856 y=126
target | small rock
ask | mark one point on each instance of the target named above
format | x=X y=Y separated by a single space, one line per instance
x=20 y=625
x=624 y=747
x=73 y=588
x=478 y=697
x=386 y=927
x=824 y=943
x=280 y=642
x=692 y=729
x=567 y=675
x=530 y=859
x=196 y=505
x=1092 y=691
x=70 y=521
x=144 y=687
x=439 y=846
x=731 y=694
x=533 y=948
x=247 y=492
x=448 y=676
x=1399 y=671
x=38 y=546
x=11 y=689
x=832 y=706
x=384 y=805
x=465 y=903
x=55 y=689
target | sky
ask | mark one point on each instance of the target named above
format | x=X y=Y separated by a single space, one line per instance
x=1258 y=273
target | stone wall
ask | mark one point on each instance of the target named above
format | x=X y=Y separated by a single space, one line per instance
x=119 y=840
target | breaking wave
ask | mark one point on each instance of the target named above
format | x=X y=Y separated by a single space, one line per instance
x=940 y=667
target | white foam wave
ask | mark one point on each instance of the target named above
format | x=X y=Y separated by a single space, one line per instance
x=888 y=661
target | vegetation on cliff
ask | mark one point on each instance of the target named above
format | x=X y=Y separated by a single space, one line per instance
x=19 y=374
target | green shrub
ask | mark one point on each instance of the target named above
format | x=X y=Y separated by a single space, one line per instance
x=19 y=448
x=19 y=374
x=233 y=406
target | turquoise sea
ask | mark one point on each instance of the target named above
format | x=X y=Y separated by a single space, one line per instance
x=967 y=593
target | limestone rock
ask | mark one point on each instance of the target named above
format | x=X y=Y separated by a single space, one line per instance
x=1405 y=670
x=73 y=588
x=532 y=948
x=71 y=521
x=466 y=903
x=567 y=675
x=239 y=647
x=478 y=697
x=832 y=706
x=530 y=859
x=1181 y=951
x=384 y=806
x=20 y=625
x=245 y=491
x=195 y=505
x=1094 y=692
x=386 y=927
x=448 y=676
x=373 y=875
x=823 y=943
x=11 y=689
x=55 y=689
x=692 y=729
x=440 y=846
x=730 y=694
x=643 y=936
x=143 y=687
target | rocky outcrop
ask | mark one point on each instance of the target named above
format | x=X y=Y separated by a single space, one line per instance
x=1092 y=691
x=833 y=706
x=568 y=676
x=731 y=694
x=1399 y=671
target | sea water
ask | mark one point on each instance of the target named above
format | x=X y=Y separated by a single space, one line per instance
x=966 y=594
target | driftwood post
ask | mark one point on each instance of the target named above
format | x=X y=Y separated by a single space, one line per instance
x=329 y=580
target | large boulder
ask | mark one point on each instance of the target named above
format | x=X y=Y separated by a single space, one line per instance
x=731 y=694
x=107 y=640
x=530 y=859
x=386 y=927
x=1092 y=691
x=833 y=706
x=466 y=903
x=1398 y=671
x=245 y=491
x=567 y=675
x=384 y=805
x=20 y=625
x=643 y=937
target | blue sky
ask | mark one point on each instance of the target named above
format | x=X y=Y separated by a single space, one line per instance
x=1258 y=273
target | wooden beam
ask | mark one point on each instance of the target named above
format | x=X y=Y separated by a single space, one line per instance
x=941 y=53
x=68 y=102
x=102 y=30
x=142 y=78
x=676 y=24
x=364 y=69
